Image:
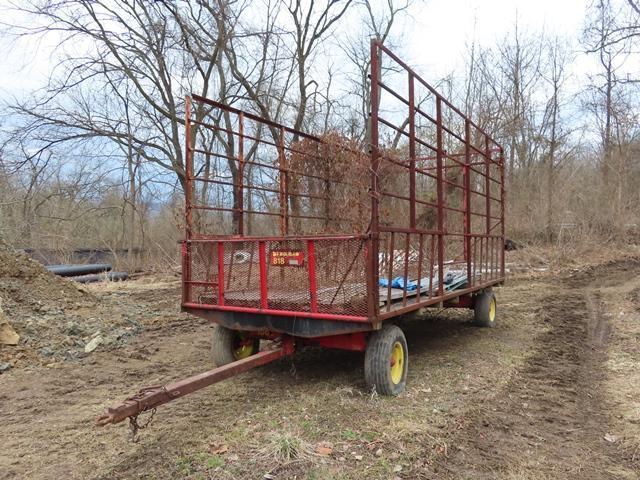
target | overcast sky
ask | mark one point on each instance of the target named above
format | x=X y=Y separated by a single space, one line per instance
x=439 y=33
x=435 y=36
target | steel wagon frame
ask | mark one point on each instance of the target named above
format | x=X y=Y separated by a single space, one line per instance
x=328 y=240
x=481 y=252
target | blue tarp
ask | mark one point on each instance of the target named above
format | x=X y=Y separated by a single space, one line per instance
x=451 y=281
x=399 y=282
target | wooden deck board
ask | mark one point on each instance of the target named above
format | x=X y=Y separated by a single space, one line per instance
x=325 y=295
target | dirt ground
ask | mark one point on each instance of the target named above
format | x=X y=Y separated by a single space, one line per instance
x=552 y=392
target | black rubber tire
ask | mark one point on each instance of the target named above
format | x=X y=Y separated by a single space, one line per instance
x=223 y=345
x=377 y=369
x=482 y=312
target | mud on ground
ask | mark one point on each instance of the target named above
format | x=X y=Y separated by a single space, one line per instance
x=552 y=392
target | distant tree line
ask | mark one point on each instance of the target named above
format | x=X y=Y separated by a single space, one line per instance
x=96 y=157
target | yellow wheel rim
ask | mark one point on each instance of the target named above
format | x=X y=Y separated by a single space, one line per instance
x=243 y=347
x=492 y=309
x=397 y=362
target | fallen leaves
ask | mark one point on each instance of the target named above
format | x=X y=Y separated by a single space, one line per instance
x=324 y=449
x=218 y=448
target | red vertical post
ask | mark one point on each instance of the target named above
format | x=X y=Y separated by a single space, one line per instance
x=284 y=220
x=412 y=154
x=390 y=274
x=494 y=257
x=502 y=208
x=188 y=168
x=220 y=273
x=406 y=268
x=231 y=257
x=262 y=260
x=475 y=257
x=185 y=278
x=240 y=186
x=482 y=265
x=487 y=191
x=373 y=276
x=467 y=199
x=440 y=192
x=420 y=259
x=431 y=259
x=313 y=287
x=490 y=253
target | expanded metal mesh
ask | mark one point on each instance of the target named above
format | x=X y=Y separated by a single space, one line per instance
x=339 y=265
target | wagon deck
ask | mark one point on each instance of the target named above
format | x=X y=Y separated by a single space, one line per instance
x=327 y=296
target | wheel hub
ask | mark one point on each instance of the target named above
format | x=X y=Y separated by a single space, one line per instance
x=397 y=362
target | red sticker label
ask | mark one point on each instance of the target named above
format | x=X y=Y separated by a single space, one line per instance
x=286 y=258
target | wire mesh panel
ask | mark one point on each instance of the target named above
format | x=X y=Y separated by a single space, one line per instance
x=322 y=275
x=341 y=276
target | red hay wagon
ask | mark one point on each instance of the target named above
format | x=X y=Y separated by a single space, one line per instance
x=307 y=240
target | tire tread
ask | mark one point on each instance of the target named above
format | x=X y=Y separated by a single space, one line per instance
x=481 y=310
x=377 y=355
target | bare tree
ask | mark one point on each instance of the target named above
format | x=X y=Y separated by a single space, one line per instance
x=610 y=35
x=377 y=22
x=553 y=128
x=136 y=43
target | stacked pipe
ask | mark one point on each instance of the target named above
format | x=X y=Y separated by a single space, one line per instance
x=89 y=273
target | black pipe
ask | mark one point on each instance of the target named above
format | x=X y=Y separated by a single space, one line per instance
x=111 y=276
x=75 y=270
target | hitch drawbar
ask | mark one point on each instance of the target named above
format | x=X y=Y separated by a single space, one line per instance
x=151 y=397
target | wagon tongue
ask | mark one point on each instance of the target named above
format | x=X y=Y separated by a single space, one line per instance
x=151 y=397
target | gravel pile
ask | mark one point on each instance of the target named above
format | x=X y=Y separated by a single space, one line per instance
x=56 y=319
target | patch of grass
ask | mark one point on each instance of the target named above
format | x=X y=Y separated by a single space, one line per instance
x=288 y=447
x=215 y=461
x=184 y=465
x=370 y=436
x=201 y=456
x=308 y=427
x=349 y=434
x=324 y=473
x=191 y=466
x=285 y=447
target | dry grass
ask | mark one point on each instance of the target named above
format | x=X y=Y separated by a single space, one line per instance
x=532 y=258
x=450 y=423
